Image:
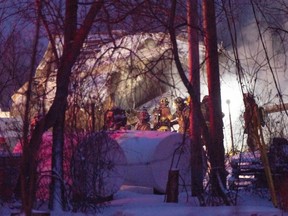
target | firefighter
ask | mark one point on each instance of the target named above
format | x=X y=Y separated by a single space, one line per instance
x=143 y=120
x=181 y=116
x=115 y=119
x=251 y=121
x=205 y=109
x=162 y=116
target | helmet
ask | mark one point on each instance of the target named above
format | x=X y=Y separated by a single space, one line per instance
x=164 y=101
x=179 y=103
x=178 y=100
x=115 y=117
x=119 y=116
x=143 y=115
x=249 y=98
x=205 y=99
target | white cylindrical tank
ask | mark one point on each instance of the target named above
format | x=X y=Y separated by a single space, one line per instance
x=151 y=154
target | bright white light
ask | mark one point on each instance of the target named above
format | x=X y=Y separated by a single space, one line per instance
x=232 y=93
x=231 y=96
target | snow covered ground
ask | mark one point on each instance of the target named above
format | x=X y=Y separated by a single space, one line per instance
x=139 y=201
x=134 y=203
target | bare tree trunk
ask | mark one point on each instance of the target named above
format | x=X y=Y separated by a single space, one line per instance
x=196 y=104
x=216 y=150
x=194 y=72
x=57 y=191
x=56 y=200
x=73 y=43
x=29 y=163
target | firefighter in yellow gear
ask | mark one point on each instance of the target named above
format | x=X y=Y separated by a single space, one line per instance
x=162 y=116
x=143 y=120
x=181 y=116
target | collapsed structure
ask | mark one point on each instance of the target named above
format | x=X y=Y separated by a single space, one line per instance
x=128 y=72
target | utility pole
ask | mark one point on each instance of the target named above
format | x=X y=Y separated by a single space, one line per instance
x=194 y=79
x=231 y=129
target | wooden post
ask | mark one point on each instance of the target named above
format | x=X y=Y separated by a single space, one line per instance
x=172 y=186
